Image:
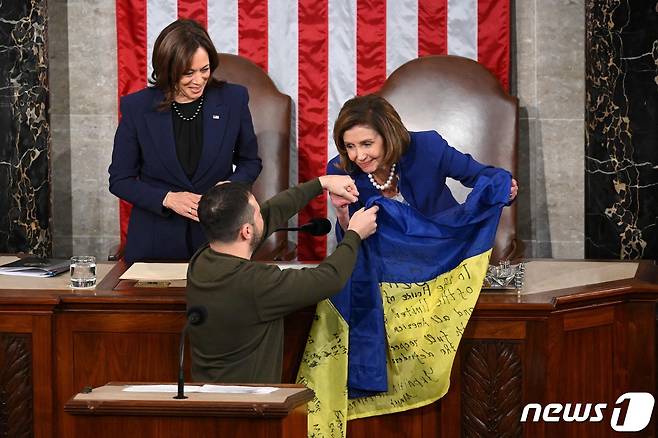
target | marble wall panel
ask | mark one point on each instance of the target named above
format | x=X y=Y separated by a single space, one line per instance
x=560 y=59
x=524 y=47
x=564 y=199
x=60 y=151
x=85 y=216
x=24 y=128
x=548 y=79
x=622 y=129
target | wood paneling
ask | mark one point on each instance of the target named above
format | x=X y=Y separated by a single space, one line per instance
x=479 y=328
x=95 y=348
x=578 y=320
x=491 y=389
x=407 y=424
x=26 y=373
x=564 y=346
x=16 y=402
x=177 y=427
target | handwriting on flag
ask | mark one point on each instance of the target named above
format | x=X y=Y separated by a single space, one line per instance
x=424 y=322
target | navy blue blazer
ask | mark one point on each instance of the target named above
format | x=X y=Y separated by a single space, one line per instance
x=145 y=166
x=422 y=172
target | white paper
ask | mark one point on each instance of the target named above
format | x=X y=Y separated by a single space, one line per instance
x=224 y=389
x=156 y=272
x=27 y=273
x=160 y=388
x=216 y=389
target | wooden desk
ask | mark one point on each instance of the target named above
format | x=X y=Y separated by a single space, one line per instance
x=582 y=343
x=108 y=412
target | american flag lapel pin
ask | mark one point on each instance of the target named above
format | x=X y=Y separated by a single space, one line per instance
x=215 y=116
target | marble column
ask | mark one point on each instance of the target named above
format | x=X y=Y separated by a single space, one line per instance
x=24 y=128
x=621 y=143
x=548 y=44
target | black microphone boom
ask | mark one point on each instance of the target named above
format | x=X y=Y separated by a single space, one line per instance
x=318 y=226
x=196 y=315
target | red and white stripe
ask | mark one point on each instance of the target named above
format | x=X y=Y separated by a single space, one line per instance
x=321 y=53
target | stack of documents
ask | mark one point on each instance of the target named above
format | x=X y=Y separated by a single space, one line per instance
x=157 y=274
x=35 y=267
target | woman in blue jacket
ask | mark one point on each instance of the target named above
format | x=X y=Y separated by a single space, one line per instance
x=176 y=139
x=375 y=148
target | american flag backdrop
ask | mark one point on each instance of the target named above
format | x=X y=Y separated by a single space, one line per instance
x=321 y=53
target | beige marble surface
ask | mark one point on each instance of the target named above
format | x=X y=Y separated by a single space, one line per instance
x=548 y=275
x=60 y=282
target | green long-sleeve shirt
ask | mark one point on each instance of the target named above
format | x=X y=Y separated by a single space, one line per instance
x=242 y=338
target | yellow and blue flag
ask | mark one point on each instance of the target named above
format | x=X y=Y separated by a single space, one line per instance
x=387 y=341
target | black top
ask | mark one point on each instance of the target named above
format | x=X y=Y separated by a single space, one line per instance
x=188 y=134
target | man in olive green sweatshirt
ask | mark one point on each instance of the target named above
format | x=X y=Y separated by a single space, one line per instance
x=242 y=337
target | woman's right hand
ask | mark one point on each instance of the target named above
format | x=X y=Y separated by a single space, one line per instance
x=338 y=201
x=183 y=203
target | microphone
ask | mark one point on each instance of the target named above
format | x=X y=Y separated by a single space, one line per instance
x=196 y=315
x=318 y=226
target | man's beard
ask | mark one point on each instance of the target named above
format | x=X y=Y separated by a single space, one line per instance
x=256 y=241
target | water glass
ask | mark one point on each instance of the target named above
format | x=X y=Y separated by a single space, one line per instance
x=83 y=271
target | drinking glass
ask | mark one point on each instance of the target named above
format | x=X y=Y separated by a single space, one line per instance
x=83 y=271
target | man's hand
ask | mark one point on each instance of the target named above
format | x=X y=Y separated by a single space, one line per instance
x=364 y=222
x=183 y=203
x=340 y=185
x=514 y=190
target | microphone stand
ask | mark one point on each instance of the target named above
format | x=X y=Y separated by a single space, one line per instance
x=195 y=316
x=181 y=373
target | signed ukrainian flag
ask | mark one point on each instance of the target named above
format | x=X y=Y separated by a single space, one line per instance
x=386 y=343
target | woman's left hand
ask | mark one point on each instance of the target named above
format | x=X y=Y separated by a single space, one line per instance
x=513 y=190
x=183 y=203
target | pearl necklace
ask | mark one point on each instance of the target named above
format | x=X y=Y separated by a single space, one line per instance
x=196 y=112
x=388 y=182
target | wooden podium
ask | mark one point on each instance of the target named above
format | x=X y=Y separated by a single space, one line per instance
x=110 y=412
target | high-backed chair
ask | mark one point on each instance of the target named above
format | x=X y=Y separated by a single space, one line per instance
x=461 y=100
x=270 y=111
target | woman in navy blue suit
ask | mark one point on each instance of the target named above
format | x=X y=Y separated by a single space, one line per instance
x=176 y=139
x=385 y=159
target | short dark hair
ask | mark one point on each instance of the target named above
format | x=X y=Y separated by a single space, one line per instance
x=378 y=114
x=223 y=210
x=172 y=55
